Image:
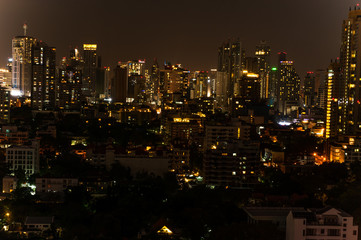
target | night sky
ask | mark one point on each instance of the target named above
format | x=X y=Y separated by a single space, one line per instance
x=186 y=32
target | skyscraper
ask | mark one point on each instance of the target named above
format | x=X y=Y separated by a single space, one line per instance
x=21 y=69
x=351 y=70
x=288 y=86
x=119 y=85
x=231 y=61
x=263 y=53
x=334 y=94
x=89 y=71
x=309 y=90
x=43 y=76
x=69 y=95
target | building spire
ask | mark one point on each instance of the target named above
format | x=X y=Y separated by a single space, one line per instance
x=25 y=27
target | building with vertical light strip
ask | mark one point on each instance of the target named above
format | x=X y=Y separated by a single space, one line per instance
x=333 y=114
x=263 y=52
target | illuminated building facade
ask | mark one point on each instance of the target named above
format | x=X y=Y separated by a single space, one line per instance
x=5 y=77
x=21 y=68
x=203 y=86
x=272 y=86
x=263 y=54
x=43 y=77
x=89 y=69
x=231 y=61
x=288 y=87
x=333 y=119
x=154 y=83
x=69 y=94
x=5 y=104
x=248 y=87
x=351 y=69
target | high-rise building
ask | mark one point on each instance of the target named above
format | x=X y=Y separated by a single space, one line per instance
x=288 y=86
x=154 y=83
x=272 y=86
x=231 y=60
x=89 y=70
x=263 y=53
x=21 y=69
x=333 y=109
x=43 y=76
x=69 y=94
x=351 y=70
x=119 y=85
x=309 y=90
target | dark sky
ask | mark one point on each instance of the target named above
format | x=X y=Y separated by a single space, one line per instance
x=186 y=32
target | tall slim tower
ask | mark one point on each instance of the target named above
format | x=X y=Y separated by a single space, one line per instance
x=334 y=94
x=288 y=86
x=90 y=69
x=263 y=53
x=21 y=69
x=231 y=61
x=351 y=70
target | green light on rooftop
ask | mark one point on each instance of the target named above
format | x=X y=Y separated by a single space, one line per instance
x=274 y=69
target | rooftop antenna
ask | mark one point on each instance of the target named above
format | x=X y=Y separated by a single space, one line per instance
x=25 y=27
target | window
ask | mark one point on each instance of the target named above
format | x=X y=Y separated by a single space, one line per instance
x=354 y=232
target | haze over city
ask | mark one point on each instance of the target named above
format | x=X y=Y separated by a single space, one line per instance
x=186 y=32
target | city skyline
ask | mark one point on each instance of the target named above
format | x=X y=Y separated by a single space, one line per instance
x=187 y=33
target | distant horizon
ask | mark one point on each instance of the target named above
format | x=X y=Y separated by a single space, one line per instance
x=188 y=33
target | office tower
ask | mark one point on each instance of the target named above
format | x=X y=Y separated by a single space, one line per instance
x=43 y=76
x=351 y=69
x=272 y=86
x=334 y=94
x=173 y=80
x=309 y=90
x=21 y=69
x=288 y=86
x=102 y=83
x=136 y=81
x=69 y=95
x=89 y=70
x=231 y=61
x=154 y=79
x=119 y=85
x=263 y=53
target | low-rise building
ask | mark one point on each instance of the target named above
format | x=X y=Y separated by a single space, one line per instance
x=44 y=185
x=24 y=157
x=327 y=223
